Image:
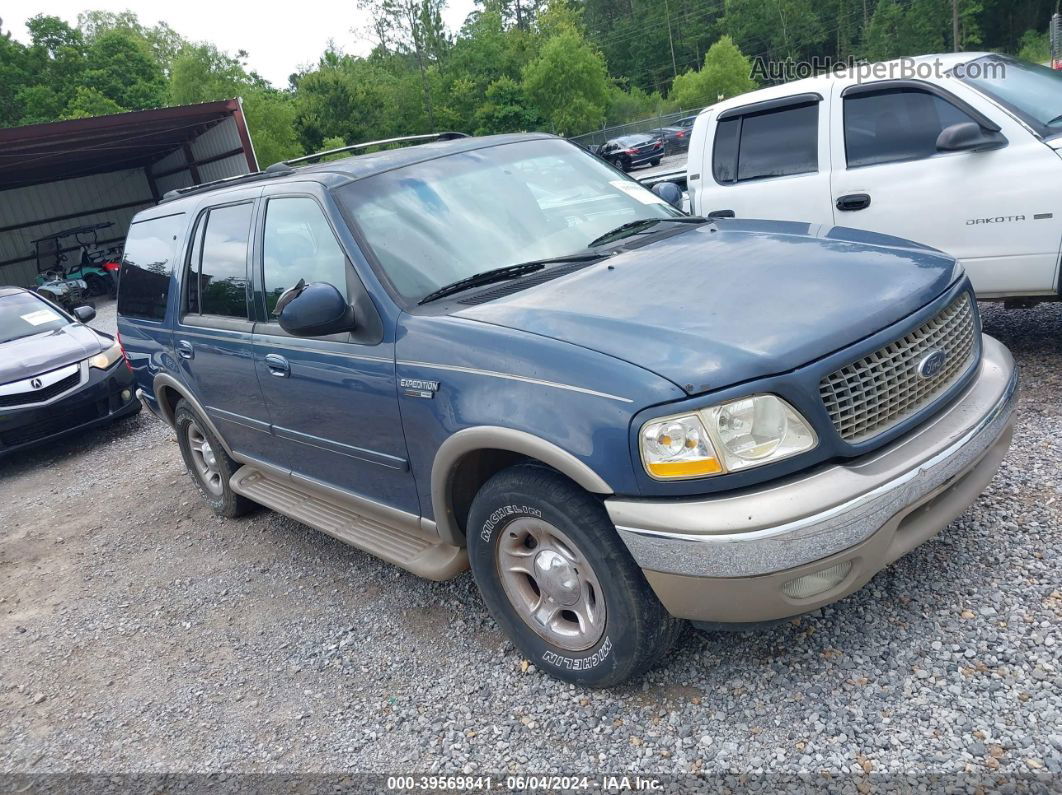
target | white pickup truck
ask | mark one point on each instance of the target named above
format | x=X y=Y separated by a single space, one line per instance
x=961 y=152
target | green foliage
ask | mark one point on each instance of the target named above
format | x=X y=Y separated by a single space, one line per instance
x=563 y=65
x=120 y=67
x=90 y=102
x=507 y=109
x=1035 y=46
x=726 y=73
x=568 y=83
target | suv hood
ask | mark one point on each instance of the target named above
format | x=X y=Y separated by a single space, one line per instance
x=30 y=356
x=727 y=302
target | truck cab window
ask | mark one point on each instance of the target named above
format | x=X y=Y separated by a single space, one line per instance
x=774 y=143
x=894 y=125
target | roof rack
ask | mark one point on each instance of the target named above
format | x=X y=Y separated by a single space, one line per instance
x=275 y=170
x=439 y=136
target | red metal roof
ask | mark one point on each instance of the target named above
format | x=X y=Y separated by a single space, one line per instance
x=64 y=149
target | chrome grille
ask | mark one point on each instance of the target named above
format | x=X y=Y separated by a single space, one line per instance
x=875 y=393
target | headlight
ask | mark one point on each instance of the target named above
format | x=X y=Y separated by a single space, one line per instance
x=106 y=359
x=678 y=447
x=758 y=430
x=732 y=436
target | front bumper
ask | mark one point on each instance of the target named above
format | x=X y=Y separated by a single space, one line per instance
x=96 y=400
x=727 y=558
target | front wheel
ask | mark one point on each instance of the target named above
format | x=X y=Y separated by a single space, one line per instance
x=655 y=161
x=560 y=583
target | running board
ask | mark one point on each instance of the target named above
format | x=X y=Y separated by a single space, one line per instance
x=381 y=531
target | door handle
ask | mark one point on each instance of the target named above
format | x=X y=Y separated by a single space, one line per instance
x=185 y=350
x=721 y=214
x=853 y=201
x=278 y=365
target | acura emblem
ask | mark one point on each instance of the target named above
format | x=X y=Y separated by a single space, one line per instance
x=36 y=383
x=932 y=363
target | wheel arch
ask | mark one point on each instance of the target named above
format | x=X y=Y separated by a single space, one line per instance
x=168 y=390
x=468 y=458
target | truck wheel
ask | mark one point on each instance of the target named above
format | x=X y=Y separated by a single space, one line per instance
x=560 y=583
x=208 y=463
x=655 y=161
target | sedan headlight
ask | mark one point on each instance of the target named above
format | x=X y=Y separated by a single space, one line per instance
x=106 y=359
x=739 y=434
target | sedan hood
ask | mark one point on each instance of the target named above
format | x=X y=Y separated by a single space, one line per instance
x=30 y=356
x=723 y=303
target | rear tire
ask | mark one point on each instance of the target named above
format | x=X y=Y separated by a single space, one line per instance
x=209 y=466
x=559 y=581
x=655 y=162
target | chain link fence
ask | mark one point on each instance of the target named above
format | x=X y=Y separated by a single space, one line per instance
x=598 y=137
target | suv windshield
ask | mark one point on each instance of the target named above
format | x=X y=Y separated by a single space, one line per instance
x=23 y=315
x=1031 y=91
x=433 y=223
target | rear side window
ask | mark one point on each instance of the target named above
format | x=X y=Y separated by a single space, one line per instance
x=774 y=143
x=895 y=125
x=216 y=283
x=147 y=265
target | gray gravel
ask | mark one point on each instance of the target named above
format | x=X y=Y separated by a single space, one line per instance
x=140 y=633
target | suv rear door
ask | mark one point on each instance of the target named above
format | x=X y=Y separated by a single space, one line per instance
x=333 y=399
x=768 y=159
x=993 y=210
x=212 y=335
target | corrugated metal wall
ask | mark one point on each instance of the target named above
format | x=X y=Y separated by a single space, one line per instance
x=76 y=201
x=219 y=139
x=70 y=197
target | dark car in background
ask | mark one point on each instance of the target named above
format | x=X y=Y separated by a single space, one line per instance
x=57 y=375
x=676 y=139
x=631 y=151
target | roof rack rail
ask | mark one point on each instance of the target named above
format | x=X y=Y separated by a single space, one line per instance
x=439 y=136
x=275 y=170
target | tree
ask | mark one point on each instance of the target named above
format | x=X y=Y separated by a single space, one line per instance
x=412 y=27
x=568 y=83
x=90 y=102
x=120 y=67
x=507 y=109
x=271 y=120
x=14 y=75
x=726 y=73
x=1035 y=46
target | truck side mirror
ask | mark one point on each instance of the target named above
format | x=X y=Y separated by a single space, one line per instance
x=316 y=310
x=84 y=313
x=669 y=192
x=969 y=136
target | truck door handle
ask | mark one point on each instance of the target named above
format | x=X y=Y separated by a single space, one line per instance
x=185 y=350
x=853 y=201
x=278 y=365
x=721 y=214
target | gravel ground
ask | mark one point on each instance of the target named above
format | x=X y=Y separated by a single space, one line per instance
x=141 y=633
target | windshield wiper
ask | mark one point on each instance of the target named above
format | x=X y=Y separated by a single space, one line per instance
x=502 y=274
x=642 y=224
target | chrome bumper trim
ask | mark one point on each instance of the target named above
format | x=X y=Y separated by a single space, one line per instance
x=778 y=527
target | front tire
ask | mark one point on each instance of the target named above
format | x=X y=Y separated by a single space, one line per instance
x=560 y=583
x=207 y=462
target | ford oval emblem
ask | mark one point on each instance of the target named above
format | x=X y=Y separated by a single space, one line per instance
x=932 y=363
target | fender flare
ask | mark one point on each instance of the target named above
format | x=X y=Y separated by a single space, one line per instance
x=489 y=437
x=163 y=380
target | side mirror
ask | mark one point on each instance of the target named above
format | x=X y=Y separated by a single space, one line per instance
x=84 y=313
x=315 y=310
x=969 y=136
x=669 y=192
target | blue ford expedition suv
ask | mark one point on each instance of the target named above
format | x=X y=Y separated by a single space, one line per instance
x=503 y=353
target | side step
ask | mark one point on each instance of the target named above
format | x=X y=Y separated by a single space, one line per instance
x=381 y=531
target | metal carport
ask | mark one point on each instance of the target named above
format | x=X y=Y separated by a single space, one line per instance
x=106 y=168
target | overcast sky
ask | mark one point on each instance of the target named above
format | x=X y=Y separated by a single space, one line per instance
x=277 y=44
